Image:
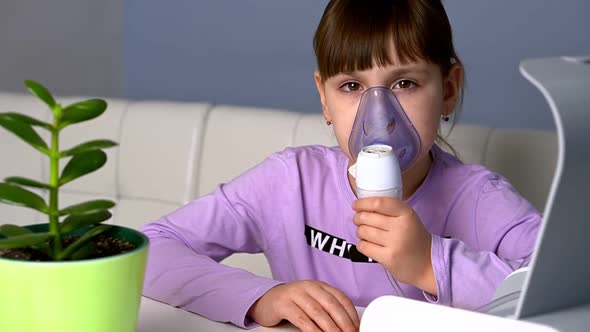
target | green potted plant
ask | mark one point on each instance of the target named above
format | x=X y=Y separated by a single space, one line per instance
x=74 y=273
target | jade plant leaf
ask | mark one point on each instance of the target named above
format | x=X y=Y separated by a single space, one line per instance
x=9 y=230
x=25 y=132
x=75 y=221
x=25 y=240
x=26 y=182
x=27 y=120
x=88 y=146
x=82 y=164
x=81 y=241
x=41 y=92
x=14 y=195
x=86 y=207
x=82 y=111
x=85 y=251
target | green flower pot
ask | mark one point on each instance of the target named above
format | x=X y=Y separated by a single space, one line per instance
x=94 y=295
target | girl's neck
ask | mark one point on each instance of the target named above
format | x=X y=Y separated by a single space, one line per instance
x=411 y=179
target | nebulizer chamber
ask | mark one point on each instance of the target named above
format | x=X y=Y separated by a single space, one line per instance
x=377 y=172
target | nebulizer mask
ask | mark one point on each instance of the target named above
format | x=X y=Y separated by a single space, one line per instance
x=383 y=143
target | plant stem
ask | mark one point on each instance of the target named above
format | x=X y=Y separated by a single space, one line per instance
x=54 y=227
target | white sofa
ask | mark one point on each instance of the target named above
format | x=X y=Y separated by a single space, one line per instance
x=170 y=153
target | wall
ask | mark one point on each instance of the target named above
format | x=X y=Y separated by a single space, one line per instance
x=493 y=36
x=238 y=52
x=259 y=52
x=72 y=47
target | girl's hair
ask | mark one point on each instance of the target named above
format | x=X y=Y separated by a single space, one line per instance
x=354 y=35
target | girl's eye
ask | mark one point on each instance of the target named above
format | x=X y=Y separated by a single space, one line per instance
x=351 y=87
x=404 y=84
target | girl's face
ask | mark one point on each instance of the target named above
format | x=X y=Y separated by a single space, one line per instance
x=419 y=86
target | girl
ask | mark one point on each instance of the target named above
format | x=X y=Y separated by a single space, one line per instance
x=455 y=234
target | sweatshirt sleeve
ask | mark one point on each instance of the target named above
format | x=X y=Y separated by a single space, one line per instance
x=486 y=239
x=186 y=246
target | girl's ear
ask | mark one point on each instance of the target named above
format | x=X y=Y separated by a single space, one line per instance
x=321 y=90
x=452 y=88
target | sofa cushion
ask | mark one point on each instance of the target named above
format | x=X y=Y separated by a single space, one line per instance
x=468 y=141
x=312 y=129
x=527 y=158
x=237 y=138
x=160 y=151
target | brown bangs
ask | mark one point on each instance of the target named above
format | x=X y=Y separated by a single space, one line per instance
x=356 y=35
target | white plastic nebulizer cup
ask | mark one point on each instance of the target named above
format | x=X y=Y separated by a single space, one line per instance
x=377 y=172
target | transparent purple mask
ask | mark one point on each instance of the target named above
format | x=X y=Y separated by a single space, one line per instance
x=380 y=119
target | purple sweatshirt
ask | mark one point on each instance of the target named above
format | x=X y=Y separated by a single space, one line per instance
x=295 y=207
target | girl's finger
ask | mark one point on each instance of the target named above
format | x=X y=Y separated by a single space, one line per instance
x=371 y=250
x=316 y=312
x=372 y=219
x=345 y=302
x=298 y=317
x=382 y=205
x=373 y=235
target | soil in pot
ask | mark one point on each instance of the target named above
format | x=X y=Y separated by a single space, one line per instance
x=104 y=246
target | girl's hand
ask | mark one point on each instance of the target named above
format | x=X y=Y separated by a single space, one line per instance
x=309 y=305
x=392 y=234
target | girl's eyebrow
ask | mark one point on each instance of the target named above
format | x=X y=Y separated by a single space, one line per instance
x=415 y=69
x=396 y=71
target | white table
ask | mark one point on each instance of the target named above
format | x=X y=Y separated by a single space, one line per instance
x=159 y=317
